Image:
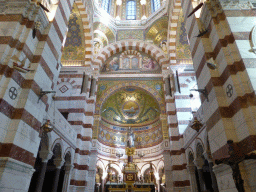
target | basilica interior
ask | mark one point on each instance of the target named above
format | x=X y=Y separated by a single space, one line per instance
x=127 y=95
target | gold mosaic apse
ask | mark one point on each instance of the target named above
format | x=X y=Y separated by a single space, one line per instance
x=131 y=106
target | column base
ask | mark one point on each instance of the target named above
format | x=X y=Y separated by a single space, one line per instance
x=250 y=167
x=224 y=177
x=14 y=175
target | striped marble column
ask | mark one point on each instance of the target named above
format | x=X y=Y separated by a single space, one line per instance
x=21 y=110
x=230 y=86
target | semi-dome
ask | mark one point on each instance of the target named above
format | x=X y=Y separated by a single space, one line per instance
x=130 y=107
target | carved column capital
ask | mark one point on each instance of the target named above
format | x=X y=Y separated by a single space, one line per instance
x=207 y=155
x=59 y=163
x=45 y=155
x=191 y=169
x=199 y=162
x=69 y=168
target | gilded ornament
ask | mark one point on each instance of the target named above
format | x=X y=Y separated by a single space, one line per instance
x=196 y=125
x=130 y=151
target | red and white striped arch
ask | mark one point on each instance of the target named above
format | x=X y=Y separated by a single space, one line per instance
x=173 y=25
x=87 y=28
x=120 y=46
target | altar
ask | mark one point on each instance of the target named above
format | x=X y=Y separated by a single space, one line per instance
x=130 y=173
x=137 y=187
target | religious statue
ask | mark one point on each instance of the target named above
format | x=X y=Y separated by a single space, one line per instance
x=141 y=179
x=130 y=138
x=119 y=179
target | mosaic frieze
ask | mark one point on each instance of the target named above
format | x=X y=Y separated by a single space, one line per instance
x=131 y=61
x=130 y=34
x=149 y=138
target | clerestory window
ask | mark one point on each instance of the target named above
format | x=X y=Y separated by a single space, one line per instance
x=155 y=5
x=131 y=10
x=105 y=5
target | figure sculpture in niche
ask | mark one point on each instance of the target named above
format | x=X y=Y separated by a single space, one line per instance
x=130 y=138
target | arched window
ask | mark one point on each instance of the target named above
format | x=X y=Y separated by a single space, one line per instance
x=155 y=5
x=105 y=5
x=131 y=10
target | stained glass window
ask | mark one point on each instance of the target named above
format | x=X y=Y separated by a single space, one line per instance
x=131 y=10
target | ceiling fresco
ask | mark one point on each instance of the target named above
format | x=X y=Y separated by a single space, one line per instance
x=130 y=106
x=74 y=48
x=131 y=61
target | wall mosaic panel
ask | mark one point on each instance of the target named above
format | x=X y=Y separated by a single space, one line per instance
x=74 y=48
x=130 y=34
x=182 y=45
x=131 y=61
x=147 y=136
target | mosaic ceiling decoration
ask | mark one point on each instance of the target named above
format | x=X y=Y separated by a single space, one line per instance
x=130 y=106
x=152 y=86
x=131 y=61
x=182 y=45
x=74 y=48
x=104 y=33
x=157 y=33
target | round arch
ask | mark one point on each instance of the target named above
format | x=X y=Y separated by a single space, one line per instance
x=190 y=157
x=199 y=149
x=147 y=166
x=58 y=142
x=68 y=155
x=160 y=165
x=124 y=45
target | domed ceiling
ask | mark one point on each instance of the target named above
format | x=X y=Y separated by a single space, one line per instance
x=130 y=107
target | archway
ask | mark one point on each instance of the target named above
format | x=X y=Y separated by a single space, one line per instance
x=53 y=169
x=43 y=155
x=120 y=46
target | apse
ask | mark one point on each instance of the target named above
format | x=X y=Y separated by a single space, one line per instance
x=130 y=107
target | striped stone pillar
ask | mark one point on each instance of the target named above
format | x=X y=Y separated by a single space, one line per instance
x=231 y=84
x=177 y=158
x=20 y=110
